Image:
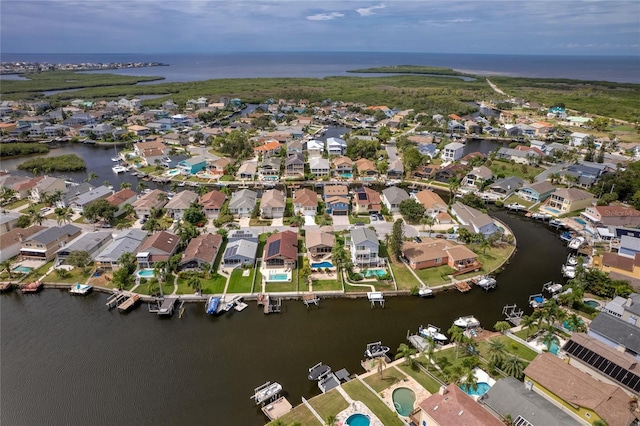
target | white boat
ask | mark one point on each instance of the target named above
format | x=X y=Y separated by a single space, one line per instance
x=552 y=287
x=80 y=289
x=557 y=223
x=119 y=169
x=266 y=392
x=541 y=216
x=572 y=260
x=515 y=206
x=569 y=271
x=117 y=157
x=432 y=332
x=576 y=243
x=486 y=282
x=375 y=350
x=467 y=322
x=536 y=300
x=425 y=292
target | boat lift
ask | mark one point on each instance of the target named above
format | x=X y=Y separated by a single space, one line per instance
x=375 y=297
x=512 y=314
x=267 y=392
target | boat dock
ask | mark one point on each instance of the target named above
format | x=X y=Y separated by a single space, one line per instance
x=418 y=342
x=5 y=287
x=376 y=297
x=512 y=314
x=463 y=286
x=116 y=299
x=266 y=392
x=240 y=305
x=263 y=299
x=32 y=287
x=166 y=308
x=277 y=408
x=129 y=303
x=310 y=298
x=273 y=306
x=536 y=300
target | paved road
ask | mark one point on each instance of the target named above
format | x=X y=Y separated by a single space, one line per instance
x=551 y=170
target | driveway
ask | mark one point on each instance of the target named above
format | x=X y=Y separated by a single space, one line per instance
x=342 y=221
x=277 y=222
x=244 y=222
x=309 y=220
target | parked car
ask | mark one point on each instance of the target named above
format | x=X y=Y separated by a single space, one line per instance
x=143 y=220
x=417 y=239
x=440 y=236
x=380 y=217
x=359 y=224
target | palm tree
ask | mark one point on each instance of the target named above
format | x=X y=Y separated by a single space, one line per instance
x=429 y=351
x=497 y=351
x=142 y=186
x=331 y=420
x=507 y=420
x=404 y=351
x=63 y=215
x=195 y=283
x=5 y=266
x=550 y=338
x=380 y=364
x=527 y=321
x=512 y=366
x=600 y=422
x=427 y=221
x=469 y=380
x=125 y=185
x=91 y=176
x=128 y=210
x=575 y=324
x=35 y=216
x=457 y=337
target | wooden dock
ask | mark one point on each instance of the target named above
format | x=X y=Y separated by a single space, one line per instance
x=167 y=306
x=129 y=303
x=116 y=299
x=4 y=287
x=310 y=298
x=277 y=408
x=463 y=286
x=32 y=287
x=512 y=314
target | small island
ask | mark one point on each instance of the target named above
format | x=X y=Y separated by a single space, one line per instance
x=32 y=67
x=411 y=69
x=58 y=163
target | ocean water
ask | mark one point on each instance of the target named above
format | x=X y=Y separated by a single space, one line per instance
x=194 y=67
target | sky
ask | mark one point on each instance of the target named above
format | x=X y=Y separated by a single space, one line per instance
x=559 y=27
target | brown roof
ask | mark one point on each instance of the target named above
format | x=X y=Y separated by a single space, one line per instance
x=459 y=252
x=428 y=249
x=342 y=160
x=20 y=186
x=162 y=241
x=456 y=408
x=273 y=198
x=330 y=190
x=152 y=199
x=337 y=199
x=213 y=200
x=316 y=237
x=616 y=211
x=573 y=194
x=204 y=247
x=365 y=164
x=580 y=389
x=429 y=199
x=622 y=359
x=15 y=235
x=614 y=260
x=283 y=244
x=121 y=196
x=305 y=197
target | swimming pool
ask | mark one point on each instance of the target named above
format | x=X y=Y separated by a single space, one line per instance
x=594 y=304
x=568 y=326
x=279 y=277
x=322 y=265
x=22 y=269
x=554 y=348
x=368 y=179
x=580 y=221
x=346 y=175
x=482 y=388
x=146 y=273
x=552 y=210
x=403 y=400
x=172 y=172
x=374 y=273
x=358 y=420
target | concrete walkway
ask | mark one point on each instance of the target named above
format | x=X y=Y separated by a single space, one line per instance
x=175 y=285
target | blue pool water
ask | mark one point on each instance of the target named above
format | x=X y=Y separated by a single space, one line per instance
x=322 y=265
x=172 y=172
x=580 y=221
x=567 y=326
x=278 y=277
x=346 y=175
x=592 y=303
x=22 y=269
x=554 y=348
x=552 y=210
x=375 y=273
x=482 y=388
x=146 y=273
x=368 y=179
x=403 y=400
x=358 y=420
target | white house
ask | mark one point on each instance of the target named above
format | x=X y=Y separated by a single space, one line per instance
x=452 y=151
x=336 y=146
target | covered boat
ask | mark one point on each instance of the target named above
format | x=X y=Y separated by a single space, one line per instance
x=318 y=371
x=212 y=305
x=467 y=322
x=375 y=350
x=432 y=332
x=80 y=289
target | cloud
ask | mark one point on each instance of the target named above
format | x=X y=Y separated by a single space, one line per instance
x=368 y=11
x=325 y=16
x=446 y=21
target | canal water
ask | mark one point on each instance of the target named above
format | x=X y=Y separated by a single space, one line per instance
x=68 y=360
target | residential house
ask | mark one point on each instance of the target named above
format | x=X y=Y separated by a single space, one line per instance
x=395 y=169
x=366 y=200
x=366 y=167
x=294 y=166
x=506 y=186
x=319 y=243
x=219 y=166
x=247 y=171
x=122 y=198
x=268 y=149
x=518 y=156
x=44 y=244
x=8 y=221
x=92 y=243
x=128 y=241
x=473 y=220
x=392 y=197
x=150 y=153
x=477 y=177
x=72 y=193
x=364 y=245
x=429 y=149
x=335 y=190
x=179 y=203
x=239 y=253
x=281 y=250
x=473 y=158
x=305 y=202
x=617 y=333
x=46 y=186
x=270 y=168
x=242 y=234
x=295 y=147
x=452 y=171
x=451 y=406
x=426 y=172
x=201 y=251
x=138 y=130
x=432 y=252
x=159 y=247
x=509 y=397
x=22 y=185
x=433 y=204
x=80 y=202
x=336 y=146
x=343 y=166
x=11 y=241
x=155 y=199
x=455 y=126
x=319 y=166
x=613 y=215
x=315 y=148
x=452 y=151
x=536 y=192
x=243 y=202
x=567 y=200
x=579 y=139
x=579 y=394
x=193 y=165
x=272 y=204
x=212 y=202
x=337 y=205
x=472 y=127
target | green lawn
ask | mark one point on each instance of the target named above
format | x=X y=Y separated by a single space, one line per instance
x=355 y=219
x=436 y=276
x=37 y=273
x=522 y=171
x=390 y=376
x=427 y=382
x=490 y=260
x=511 y=346
x=326 y=285
x=214 y=285
x=404 y=278
x=226 y=178
x=359 y=392
x=16 y=204
x=513 y=198
x=526 y=332
x=300 y=415
x=329 y=404
x=76 y=275
x=240 y=284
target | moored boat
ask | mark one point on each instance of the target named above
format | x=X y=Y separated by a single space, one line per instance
x=266 y=392
x=80 y=289
x=119 y=169
x=318 y=371
x=568 y=271
x=425 y=292
x=212 y=305
x=433 y=332
x=375 y=350
x=536 y=300
x=552 y=288
x=576 y=243
x=486 y=282
x=467 y=322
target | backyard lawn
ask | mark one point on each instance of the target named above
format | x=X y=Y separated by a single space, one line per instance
x=76 y=275
x=329 y=404
x=214 y=285
x=359 y=392
x=390 y=376
x=522 y=171
x=510 y=346
x=299 y=415
x=242 y=284
x=326 y=285
x=404 y=278
x=428 y=382
x=490 y=260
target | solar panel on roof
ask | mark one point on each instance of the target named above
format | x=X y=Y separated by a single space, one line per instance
x=231 y=251
x=362 y=196
x=274 y=248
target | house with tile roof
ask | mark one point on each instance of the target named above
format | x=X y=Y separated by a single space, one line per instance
x=272 y=204
x=121 y=198
x=179 y=203
x=268 y=149
x=157 y=248
x=366 y=167
x=281 y=251
x=212 y=202
x=432 y=252
x=201 y=250
x=342 y=165
x=153 y=199
x=150 y=151
x=11 y=242
x=335 y=190
x=305 y=202
x=319 y=242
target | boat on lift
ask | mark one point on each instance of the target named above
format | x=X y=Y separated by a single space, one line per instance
x=375 y=350
x=576 y=243
x=432 y=332
x=467 y=322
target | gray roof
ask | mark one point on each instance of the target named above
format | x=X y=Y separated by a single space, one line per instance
x=616 y=330
x=126 y=242
x=469 y=215
x=509 y=183
x=182 y=200
x=194 y=160
x=242 y=234
x=8 y=216
x=245 y=198
x=362 y=234
x=75 y=191
x=630 y=243
x=509 y=396
x=241 y=248
x=541 y=187
x=395 y=195
x=93 y=195
x=634 y=306
x=50 y=235
x=87 y=242
x=454 y=145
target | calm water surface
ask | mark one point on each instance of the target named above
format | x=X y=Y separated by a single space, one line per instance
x=68 y=360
